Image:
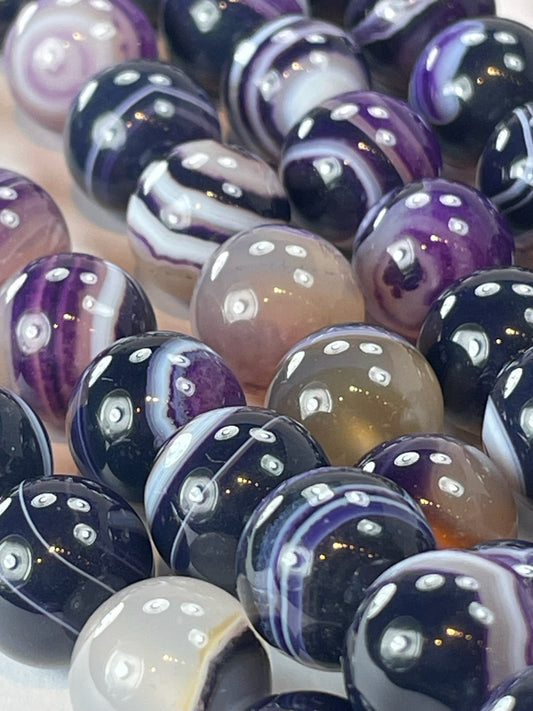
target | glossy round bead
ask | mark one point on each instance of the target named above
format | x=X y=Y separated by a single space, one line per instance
x=393 y=34
x=54 y=47
x=168 y=643
x=513 y=693
x=417 y=241
x=515 y=554
x=504 y=167
x=66 y=545
x=127 y=116
x=436 y=631
x=301 y=701
x=282 y=71
x=468 y=78
x=310 y=550
x=31 y=223
x=208 y=478
x=346 y=153
x=463 y=493
x=184 y=206
x=201 y=34
x=25 y=449
x=507 y=429
x=135 y=395
x=471 y=331
x=61 y=310
x=266 y=288
x=354 y=386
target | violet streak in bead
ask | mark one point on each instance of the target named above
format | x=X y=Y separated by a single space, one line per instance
x=471 y=331
x=184 y=206
x=201 y=34
x=136 y=394
x=168 y=643
x=66 y=545
x=282 y=71
x=31 y=223
x=436 y=631
x=312 y=547
x=349 y=151
x=208 y=478
x=128 y=116
x=468 y=78
x=54 y=47
x=58 y=313
x=393 y=33
x=417 y=241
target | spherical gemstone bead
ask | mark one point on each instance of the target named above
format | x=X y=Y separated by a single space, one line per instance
x=346 y=153
x=208 y=478
x=187 y=204
x=31 y=223
x=283 y=70
x=310 y=550
x=463 y=493
x=436 y=631
x=507 y=428
x=168 y=643
x=25 y=449
x=468 y=78
x=127 y=116
x=354 y=386
x=137 y=393
x=513 y=693
x=505 y=165
x=54 y=47
x=471 y=331
x=201 y=34
x=417 y=241
x=266 y=288
x=61 y=310
x=393 y=34
x=66 y=545
x=301 y=701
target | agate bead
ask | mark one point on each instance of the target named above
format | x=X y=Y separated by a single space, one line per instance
x=168 y=643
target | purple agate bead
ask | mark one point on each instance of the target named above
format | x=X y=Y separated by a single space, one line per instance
x=127 y=116
x=393 y=34
x=468 y=78
x=346 y=153
x=54 y=47
x=201 y=34
x=31 y=223
x=134 y=396
x=58 y=313
x=417 y=241
x=283 y=70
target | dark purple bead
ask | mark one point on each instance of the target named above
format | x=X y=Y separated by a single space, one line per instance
x=471 y=331
x=282 y=71
x=134 y=396
x=66 y=545
x=201 y=34
x=349 y=151
x=504 y=170
x=301 y=701
x=393 y=34
x=437 y=631
x=513 y=694
x=127 y=116
x=208 y=478
x=310 y=550
x=468 y=78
